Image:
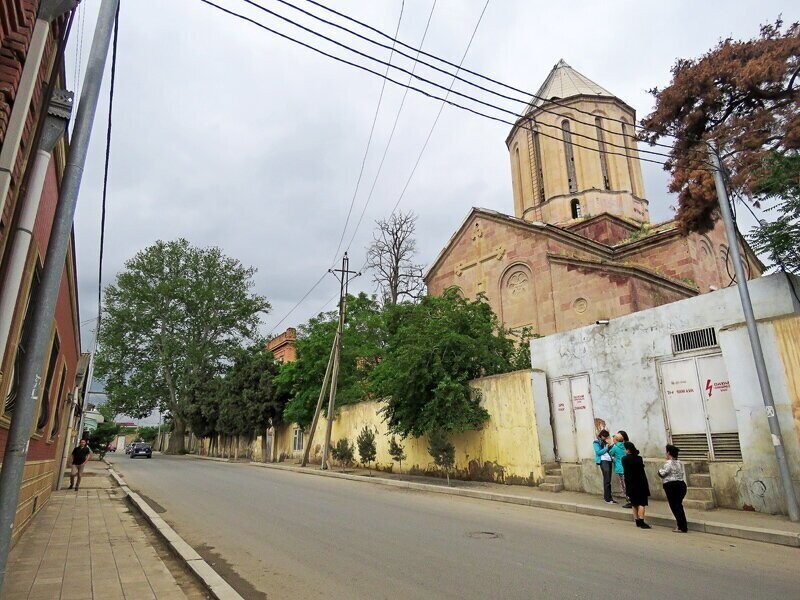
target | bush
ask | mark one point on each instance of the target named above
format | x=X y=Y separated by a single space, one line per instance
x=442 y=451
x=101 y=437
x=343 y=453
x=366 y=447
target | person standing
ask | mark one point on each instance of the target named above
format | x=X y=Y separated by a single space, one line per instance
x=603 y=460
x=80 y=455
x=616 y=452
x=636 y=483
x=673 y=478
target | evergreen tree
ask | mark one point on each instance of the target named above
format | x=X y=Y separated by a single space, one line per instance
x=367 y=450
x=396 y=451
x=343 y=453
x=442 y=451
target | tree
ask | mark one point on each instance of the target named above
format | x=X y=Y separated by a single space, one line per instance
x=780 y=239
x=433 y=350
x=442 y=451
x=364 y=337
x=101 y=437
x=740 y=95
x=366 y=447
x=175 y=317
x=390 y=257
x=249 y=404
x=147 y=434
x=343 y=453
x=397 y=452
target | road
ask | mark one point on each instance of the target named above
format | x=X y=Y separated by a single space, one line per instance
x=285 y=535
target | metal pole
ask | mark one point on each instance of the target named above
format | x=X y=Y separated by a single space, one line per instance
x=45 y=303
x=337 y=356
x=318 y=409
x=755 y=341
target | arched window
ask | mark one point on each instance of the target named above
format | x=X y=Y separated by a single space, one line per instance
x=626 y=141
x=576 y=208
x=601 y=146
x=570 y=157
x=518 y=174
x=537 y=150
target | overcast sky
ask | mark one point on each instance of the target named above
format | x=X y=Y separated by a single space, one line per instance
x=228 y=135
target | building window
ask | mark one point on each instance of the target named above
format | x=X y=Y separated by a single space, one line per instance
x=576 y=209
x=59 y=401
x=537 y=150
x=570 y=157
x=297 y=442
x=626 y=141
x=518 y=175
x=44 y=403
x=24 y=344
x=601 y=146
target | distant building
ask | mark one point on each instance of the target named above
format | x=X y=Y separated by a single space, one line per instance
x=580 y=246
x=283 y=346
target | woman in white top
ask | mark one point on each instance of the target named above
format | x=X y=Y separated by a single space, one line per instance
x=673 y=478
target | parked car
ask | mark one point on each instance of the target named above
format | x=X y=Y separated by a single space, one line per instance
x=141 y=449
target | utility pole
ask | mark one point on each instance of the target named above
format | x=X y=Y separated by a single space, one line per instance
x=45 y=302
x=319 y=400
x=755 y=340
x=344 y=280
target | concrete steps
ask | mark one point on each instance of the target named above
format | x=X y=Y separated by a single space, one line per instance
x=699 y=493
x=551 y=487
x=553 y=478
x=702 y=480
x=698 y=504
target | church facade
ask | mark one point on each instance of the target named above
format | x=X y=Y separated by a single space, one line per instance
x=580 y=246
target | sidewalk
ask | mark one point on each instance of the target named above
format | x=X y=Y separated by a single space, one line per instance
x=87 y=545
x=720 y=521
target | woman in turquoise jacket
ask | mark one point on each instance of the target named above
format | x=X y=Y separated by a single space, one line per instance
x=616 y=452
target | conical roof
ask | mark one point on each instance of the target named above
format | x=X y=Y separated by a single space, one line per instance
x=564 y=82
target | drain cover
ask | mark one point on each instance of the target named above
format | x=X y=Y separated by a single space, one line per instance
x=483 y=535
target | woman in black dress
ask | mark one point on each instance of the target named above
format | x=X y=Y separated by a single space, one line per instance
x=636 y=483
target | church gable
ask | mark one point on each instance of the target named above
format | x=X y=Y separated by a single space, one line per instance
x=606 y=229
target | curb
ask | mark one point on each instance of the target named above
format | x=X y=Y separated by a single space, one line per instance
x=216 y=585
x=769 y=536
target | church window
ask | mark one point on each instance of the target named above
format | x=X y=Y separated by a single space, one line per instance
x=576 y=209
x=518 y=174
x=537 y=149
x=518 y=283
x=626 y=141
x=570 y=157
x=601 y=146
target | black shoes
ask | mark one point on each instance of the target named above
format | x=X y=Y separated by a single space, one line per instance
x=642 y=525
x=627 y=505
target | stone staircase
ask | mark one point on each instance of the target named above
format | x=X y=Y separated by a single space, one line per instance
x=699 y=493
x=553 y=479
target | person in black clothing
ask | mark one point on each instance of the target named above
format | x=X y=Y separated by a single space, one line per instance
x=80 y=454
x=636 y=483
x=673 y=477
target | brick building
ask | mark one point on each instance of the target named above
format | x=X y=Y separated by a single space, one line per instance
x=580 y=246
x=30 y=177
x=283 y=346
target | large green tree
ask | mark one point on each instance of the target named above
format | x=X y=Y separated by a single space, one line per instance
x=744 y=97
x=364 y=338
x=433 y=350
x=176 y=314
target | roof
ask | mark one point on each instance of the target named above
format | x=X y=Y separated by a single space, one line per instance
x=565 y=82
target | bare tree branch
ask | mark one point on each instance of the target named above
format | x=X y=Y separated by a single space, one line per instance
x=390 y=257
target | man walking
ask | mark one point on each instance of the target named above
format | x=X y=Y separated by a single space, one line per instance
x=604 y=461
x=80 y=454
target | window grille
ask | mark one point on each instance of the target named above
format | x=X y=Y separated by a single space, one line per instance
x=694 y=340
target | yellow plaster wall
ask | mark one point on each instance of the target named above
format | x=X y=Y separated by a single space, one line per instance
x=787 y=334
x=508 y=439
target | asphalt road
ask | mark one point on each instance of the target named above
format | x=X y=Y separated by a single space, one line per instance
x=286 y=535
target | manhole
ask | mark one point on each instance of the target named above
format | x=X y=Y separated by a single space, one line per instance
x=483 y=535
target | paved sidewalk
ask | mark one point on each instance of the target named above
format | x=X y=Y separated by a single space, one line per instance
x=87 y=545
x=734 y=523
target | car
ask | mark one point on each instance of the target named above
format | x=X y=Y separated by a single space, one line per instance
x=141 y=449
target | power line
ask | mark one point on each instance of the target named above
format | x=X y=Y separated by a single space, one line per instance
x=434 y=84
x=391 y=134
x=369 y=142
x=299 y=302
x=416 y=89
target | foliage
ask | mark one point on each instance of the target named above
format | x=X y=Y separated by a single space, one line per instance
x=743 y=97
x=780 y=239
x=173 y=320
x=101 y=437
x=442 y=451
x=343 y=453
x=148 y=434
x=367 y=451
x=397 y=452
x=433 y=350
x=390 y=257
x=364 y=335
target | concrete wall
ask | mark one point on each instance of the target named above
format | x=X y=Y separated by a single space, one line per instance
x=621 y=359
x=506 y=449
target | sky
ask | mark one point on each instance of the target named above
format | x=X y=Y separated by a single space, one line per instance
x=228 y=135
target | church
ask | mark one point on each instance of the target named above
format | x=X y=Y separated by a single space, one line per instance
x=580 y=246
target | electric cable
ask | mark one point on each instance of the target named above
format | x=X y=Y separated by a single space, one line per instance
x=391 y=135
x=299 y=302
x=434 y=84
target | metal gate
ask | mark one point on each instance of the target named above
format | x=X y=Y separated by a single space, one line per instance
x=698 y=403
x=573 y=417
